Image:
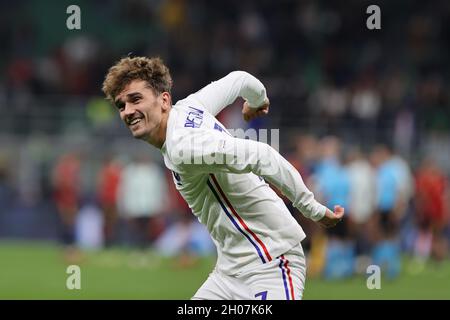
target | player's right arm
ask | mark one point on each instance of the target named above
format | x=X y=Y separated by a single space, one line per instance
x=223 y=92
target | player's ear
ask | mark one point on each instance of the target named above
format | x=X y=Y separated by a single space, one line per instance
x=167 y=100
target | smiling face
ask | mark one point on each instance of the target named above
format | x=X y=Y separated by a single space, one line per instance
x=144 y=112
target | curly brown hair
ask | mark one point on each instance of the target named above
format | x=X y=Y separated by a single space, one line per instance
x=152 y=70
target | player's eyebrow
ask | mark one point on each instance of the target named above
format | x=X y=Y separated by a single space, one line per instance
x=119 y=103
x=132 y=95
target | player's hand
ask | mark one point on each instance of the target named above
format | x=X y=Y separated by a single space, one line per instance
x=251 y=113
x=330 y=219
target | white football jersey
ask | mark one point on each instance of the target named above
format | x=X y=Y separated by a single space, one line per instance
x=222 y=178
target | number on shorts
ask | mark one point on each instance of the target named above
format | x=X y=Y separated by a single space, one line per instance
x=263 y=295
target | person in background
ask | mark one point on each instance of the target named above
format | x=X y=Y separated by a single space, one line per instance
x=107 y=189
x=390 y=208
x=66 y=197
x=141 y=199
x=333 y=187
x=432 y=211
x=361 y=204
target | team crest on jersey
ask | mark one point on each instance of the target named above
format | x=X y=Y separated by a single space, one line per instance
x=194 y=118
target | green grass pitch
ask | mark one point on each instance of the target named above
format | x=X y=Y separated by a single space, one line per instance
x=38 y=271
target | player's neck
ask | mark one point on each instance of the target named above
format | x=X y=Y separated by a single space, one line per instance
x=160 y=136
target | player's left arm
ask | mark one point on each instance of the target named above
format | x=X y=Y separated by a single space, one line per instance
x=210 y=151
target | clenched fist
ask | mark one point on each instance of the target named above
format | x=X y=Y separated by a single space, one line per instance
x=332 y=218
x=250 y=113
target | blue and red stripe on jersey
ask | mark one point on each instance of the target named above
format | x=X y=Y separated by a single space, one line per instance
x=237 y=220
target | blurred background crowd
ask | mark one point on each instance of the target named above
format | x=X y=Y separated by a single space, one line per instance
x=363 y=114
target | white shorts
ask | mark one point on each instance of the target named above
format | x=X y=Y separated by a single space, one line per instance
x=280 y=279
